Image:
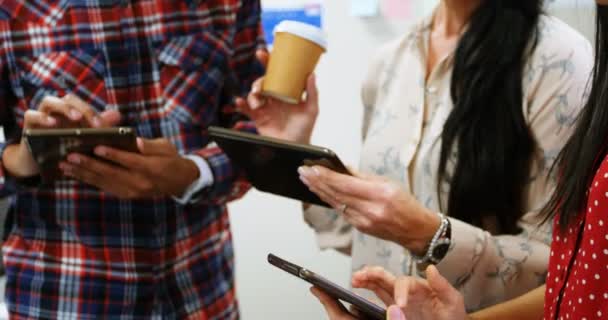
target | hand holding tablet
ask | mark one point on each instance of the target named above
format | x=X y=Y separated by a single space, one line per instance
x=52 y=113
x=271 y=165
x=51 y=146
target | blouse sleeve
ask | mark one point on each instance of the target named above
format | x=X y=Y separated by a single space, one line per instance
x=332 y=230
x=504 y=267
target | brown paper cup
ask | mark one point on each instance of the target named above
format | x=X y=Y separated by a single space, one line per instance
x=297 y=50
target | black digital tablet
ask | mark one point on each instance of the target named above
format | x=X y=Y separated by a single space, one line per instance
x=366 y=308
x=51 y=146
x=271 y=165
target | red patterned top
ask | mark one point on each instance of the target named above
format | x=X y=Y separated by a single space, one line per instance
x=577 y=280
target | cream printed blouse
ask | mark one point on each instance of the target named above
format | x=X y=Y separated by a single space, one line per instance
x=403 y=122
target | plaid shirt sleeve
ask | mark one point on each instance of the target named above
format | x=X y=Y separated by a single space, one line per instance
x=229 y=181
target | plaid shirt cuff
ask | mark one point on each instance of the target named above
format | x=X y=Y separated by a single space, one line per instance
x=229 y=181
x=204 y=180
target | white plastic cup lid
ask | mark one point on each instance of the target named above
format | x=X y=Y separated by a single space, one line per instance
x=303 y=30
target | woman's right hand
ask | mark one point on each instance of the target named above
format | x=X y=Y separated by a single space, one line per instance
x=273 y=118
x=431 y=299
x=53 y=112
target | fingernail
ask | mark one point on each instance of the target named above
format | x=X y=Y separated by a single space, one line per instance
x=74 y=159
x=140 y=144
x=401 y=302
x=304 y=180
x=394 y=313
x=51 y=121
x=302 y=171
x=75 y=114
x=101 y=151
x=96 y=121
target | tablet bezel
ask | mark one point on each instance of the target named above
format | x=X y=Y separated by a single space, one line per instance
x=316 y=156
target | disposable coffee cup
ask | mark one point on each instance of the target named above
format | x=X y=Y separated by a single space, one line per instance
x=297 y=49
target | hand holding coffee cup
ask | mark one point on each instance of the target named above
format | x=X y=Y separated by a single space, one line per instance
x=282 y=120
x=275 y=103
x=297 y=50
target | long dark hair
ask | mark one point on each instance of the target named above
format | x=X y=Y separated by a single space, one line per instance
x=487 y=128
x=581 y=157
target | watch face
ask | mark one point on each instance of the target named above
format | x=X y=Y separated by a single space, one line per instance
x=440 y=250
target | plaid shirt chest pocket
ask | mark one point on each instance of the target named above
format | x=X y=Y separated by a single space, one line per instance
x=193 y=70
x=77 y=72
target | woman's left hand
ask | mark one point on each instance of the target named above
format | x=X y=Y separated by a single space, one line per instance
x=336 y=311
x=375 y=206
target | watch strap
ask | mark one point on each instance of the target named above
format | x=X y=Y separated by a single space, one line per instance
x=439 y=245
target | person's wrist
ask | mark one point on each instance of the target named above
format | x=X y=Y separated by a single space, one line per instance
x=300 y=136
x=190 y=173
x=419 y=244
x=16 y=163
x=305 y=140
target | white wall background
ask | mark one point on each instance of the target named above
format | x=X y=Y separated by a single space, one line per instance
x=264 y=224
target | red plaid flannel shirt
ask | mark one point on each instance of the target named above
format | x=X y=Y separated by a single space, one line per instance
x=172 y=68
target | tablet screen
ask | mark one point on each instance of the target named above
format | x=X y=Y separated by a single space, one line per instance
x=271 y=165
